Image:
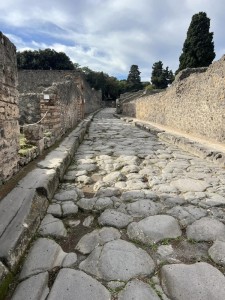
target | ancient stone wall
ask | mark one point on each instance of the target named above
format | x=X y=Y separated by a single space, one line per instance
x=9 y=112
x=61 y=97
x=195 y=103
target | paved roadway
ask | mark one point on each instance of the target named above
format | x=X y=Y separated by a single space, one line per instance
x=134 y=219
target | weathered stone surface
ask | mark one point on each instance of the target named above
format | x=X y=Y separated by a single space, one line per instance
x=114 y=218
x=76 y=285
x=154 y=229
x=34 y=288
x=118 y=260
x=217 y=252
x=69 y=208
x=55 y=210
x=20 y=218
x=87 y=203
x=138 y=290
x=97 y=237
x=44 y=255
x=45 y=181
x=52 y=226
x=143 y=208
x=103 y=203
x=131 y=196
x=190 y=185
x=108 y=192
x=88 y=221
x=70 y=260
x=199 y=281
x=187 y=215
x=206 y=229
x=68 y=195
x=4 y=272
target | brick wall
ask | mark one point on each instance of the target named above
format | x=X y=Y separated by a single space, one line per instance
x=9 y=112
x=195 y=103
x=70 y=98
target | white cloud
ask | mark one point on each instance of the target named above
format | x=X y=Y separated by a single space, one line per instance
x=110 y=35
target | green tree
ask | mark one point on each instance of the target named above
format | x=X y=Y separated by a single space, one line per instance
x=198 y=48
x=47 y=59
x=161 y=77
x=134 y=79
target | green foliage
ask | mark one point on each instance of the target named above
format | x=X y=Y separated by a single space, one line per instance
x=47 y=59
x=134 y=79
x=198 y=48
x=161 y=77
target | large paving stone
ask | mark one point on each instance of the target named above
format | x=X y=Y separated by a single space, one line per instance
x=217 y=252
x=69 y=208
x=138 y=290
x=76 y=285
x=20 y=213
x=206 y=229
x=144 y=208
x=51 y=226
x=154 y=229
x=66 y=195
x=114 y=218
x=44 y=255
x=97 y=237
x=199 y=281
x=118 y=260
x=187 y=215
x=34 y=288
x=190 y=185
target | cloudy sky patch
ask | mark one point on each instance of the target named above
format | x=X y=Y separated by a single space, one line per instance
x=110 y=35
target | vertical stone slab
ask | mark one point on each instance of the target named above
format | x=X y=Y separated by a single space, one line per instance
x=9 y=112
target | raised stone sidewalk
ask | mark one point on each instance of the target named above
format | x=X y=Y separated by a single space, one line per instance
x=133 y=217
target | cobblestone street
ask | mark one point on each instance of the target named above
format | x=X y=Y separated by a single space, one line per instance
x=135 y=218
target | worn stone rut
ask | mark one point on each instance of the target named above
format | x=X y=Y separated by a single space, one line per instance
x=135 y=218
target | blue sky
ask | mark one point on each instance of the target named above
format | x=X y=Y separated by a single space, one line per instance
x=110 y=35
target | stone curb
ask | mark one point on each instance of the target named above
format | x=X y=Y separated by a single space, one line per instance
x=183 y=143
x=22 y=210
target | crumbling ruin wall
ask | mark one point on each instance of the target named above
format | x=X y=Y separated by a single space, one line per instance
x=194 y=103
x=9 y=112
x=70 y=86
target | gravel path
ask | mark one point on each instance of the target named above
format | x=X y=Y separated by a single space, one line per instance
x=134 y=219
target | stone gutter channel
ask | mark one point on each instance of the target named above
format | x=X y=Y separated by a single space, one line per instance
x=186 y=144
x=22 y=210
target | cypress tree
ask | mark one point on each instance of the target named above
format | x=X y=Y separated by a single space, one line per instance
x=134 y=79
x=161 y=77
x=198 y=48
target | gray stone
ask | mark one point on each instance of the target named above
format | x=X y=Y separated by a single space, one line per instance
x=76 y=285
x=70 y=260
x=97 y=237
x=87 y=203
x=199 y=281
x=165 y=250
x=4 y=272
x=34 y=288
x=217 y=252
x=187 y=215
x=115 y=285
x=114 y=177
x=87 y=167
x=69 y=208
x=55 y=210
x=103 y=203
x=84 y=179
x=206 y=229
x=44 y=255
x=20 y=218
x=108 y=192
x=88 y=221
x=52 y=226
x=154 y=229
x=68 y=195
x=131 y=196
x=144 y=208
x=138 y=290
x=214 y=200
x=114 y=218
x=71 y=175
x=118 y=260
x=190 y=185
